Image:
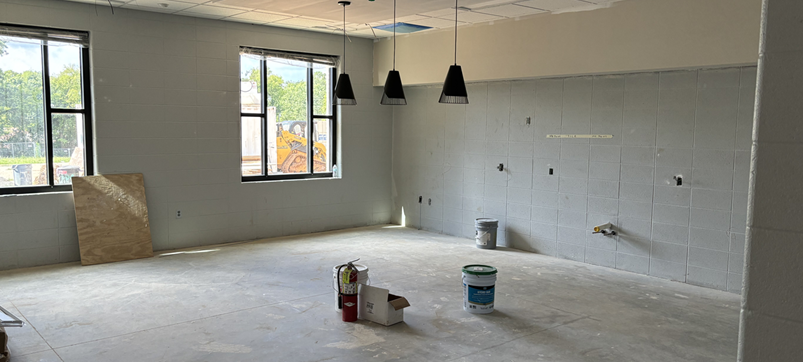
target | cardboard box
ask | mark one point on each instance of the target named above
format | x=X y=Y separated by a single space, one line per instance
x=379 y=306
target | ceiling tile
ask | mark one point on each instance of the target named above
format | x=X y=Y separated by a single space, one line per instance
x=379 y=23
x=303 y=22
x=365 y=33
x=115 y=3
x=186 y=1
x=259 y=17
x=407 y=19
x=146 y=8
x=435 y=23
x=172 y=6
x=472 y=17
x=339 y=26
x=552 y=5
x=510 y=11
x=353 y=34
x=320 y=29
x=213 y=10
x=488 y=4
x=442 y=13
x=199 y=15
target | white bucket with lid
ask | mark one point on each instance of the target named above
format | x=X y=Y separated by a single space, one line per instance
x=479 y=283
x=362 y=278
x=485 y=234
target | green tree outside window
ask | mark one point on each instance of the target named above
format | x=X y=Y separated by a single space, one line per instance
x=290 y=98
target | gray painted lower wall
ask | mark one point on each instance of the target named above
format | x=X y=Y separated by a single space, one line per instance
x=772 y=308
x=696 y=124
x=166 y=91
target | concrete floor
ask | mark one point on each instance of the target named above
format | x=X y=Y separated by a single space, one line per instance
x=271 y=300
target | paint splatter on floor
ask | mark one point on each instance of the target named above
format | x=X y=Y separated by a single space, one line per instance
x=361 y=336
x=223 y=348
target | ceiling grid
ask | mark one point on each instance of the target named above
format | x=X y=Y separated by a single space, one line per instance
x=318 y=15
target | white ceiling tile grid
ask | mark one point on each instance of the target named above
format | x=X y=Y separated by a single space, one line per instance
x=159 y=5
x=259 y=17
x=472 y=17
x=552 y=5
x=213 y=10
x=509 y=11
x=324 y=15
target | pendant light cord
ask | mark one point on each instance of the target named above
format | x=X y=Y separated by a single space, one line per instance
x=394 y=34
x=344 y=38
x=455 y=32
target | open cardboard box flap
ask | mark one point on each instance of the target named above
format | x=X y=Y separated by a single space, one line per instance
x=398 y=302
x=378 y=305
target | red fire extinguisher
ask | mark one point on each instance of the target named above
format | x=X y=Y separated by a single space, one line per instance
x=347 y=283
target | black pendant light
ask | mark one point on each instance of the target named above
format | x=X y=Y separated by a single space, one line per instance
x=454 y=88
x=343 y=91
x=394 y=91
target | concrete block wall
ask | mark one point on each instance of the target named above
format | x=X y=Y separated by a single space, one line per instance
x=166 y=93
x=772 y=312
x=695 y=124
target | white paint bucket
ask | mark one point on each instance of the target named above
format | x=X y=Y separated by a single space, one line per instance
x=362 y=278
x=479 y=282
x=485 y=234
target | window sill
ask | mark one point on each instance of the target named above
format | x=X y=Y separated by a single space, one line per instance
x=260 y=179
x=27 y=191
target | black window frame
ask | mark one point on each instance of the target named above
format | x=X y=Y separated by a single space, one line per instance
x=311 y=117
x=86 y=111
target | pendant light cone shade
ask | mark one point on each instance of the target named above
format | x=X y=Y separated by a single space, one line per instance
x=344 y=92
x=454 y=88
x=394 y=92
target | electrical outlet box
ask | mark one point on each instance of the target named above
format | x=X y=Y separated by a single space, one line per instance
x=178 y=214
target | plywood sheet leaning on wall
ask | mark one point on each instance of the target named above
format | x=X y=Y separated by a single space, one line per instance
x=112 y=217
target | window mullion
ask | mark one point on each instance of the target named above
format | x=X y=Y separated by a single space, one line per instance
x=264 y=87
x=86 y=80
x=48 y=117
x=333 y=131
x=66 y=110
x=310 y=129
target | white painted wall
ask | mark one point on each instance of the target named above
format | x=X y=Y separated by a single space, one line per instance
x=691 y=123
x=166 y=91
x=630 y=36
x=772 y=307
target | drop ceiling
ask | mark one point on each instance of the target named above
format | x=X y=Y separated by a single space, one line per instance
x=361 y=16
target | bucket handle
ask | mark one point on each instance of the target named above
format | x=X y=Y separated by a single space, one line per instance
x=481 y=235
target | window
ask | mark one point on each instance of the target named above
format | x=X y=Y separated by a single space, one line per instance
x=287 y=115
x=45 y=109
